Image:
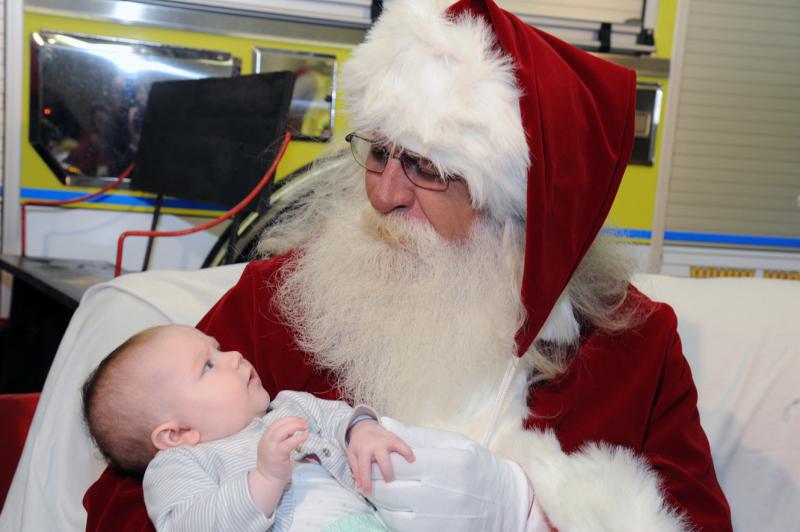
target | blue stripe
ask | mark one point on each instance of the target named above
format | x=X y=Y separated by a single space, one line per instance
x=739 y=240
x=107 y=199
x=622 y=232
x=708 y=238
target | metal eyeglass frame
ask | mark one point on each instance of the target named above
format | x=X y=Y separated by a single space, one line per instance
x=407 y=162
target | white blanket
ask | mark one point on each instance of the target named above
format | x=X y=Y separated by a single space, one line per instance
x=741 y=336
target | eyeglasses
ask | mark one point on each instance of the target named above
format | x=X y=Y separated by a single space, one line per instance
x=373 y=156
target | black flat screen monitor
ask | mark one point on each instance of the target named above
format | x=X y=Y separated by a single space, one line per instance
x=211 y=140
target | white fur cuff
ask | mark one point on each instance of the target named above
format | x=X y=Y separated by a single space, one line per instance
x=598 y=488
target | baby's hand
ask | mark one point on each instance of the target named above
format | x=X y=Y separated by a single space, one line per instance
x=276 y=445
x=369 y=442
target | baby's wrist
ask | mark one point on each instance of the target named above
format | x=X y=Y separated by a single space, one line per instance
x=265 y=489
x=364 y=424
x=359 y=414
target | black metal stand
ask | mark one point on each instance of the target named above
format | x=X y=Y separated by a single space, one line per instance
x=153 y=225
x=233 y=237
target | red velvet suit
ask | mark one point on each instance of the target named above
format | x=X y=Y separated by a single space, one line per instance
x=577 y=116
x=633 y=389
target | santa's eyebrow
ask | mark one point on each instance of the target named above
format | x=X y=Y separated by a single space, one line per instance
x=416 y=156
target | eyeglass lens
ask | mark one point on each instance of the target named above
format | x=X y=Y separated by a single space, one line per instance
x=374 y=157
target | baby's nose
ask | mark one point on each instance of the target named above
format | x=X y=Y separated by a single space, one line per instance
x=234 y=358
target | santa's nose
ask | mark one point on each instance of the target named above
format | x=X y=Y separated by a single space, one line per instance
x=390 y=190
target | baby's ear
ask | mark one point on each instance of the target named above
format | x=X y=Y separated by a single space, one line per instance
x=170 y=434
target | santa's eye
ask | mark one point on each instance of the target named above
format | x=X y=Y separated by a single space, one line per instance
x=379 y=153
x=208 y=366
x=423 y=168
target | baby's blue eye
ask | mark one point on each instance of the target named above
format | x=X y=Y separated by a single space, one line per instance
x=207 y=366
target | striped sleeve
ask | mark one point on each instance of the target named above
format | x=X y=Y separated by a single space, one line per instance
x=181 y=495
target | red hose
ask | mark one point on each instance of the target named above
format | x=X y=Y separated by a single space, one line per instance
x=57 y=203
x=241 y=205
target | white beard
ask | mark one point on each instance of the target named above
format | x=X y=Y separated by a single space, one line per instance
x=417 y=327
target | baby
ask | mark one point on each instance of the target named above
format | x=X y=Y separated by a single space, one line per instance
x=216 y=454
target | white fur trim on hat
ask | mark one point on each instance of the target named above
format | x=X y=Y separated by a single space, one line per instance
x=440 y=88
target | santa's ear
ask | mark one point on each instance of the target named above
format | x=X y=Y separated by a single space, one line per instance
x=171 y=434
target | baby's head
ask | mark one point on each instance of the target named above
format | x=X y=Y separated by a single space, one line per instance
x=164 y=387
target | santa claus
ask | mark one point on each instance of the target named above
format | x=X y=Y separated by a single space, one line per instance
x=445 y=268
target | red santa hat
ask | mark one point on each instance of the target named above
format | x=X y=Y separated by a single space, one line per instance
x=540 y=130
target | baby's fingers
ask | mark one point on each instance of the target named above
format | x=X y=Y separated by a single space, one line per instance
x=290 y=443
x=385 y=466
x=352 y=461
x=285 y=428
x=403 y=449
x=364 y=467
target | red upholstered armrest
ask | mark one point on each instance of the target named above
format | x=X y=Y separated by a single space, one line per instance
x=16 y=414
x=116 y=503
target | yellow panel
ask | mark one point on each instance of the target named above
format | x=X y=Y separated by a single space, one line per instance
x=36 y=175
x=634 y=206
x=665 y=28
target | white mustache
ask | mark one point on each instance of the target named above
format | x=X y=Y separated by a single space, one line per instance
x=393 y=229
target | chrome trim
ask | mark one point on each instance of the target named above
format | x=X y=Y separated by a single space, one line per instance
x=91 y=92
x=648 y=117
x=259 y=52
x=13 y=97
x=644 y=66
x=205 y=19
x=98 y=182
x=585 y=33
